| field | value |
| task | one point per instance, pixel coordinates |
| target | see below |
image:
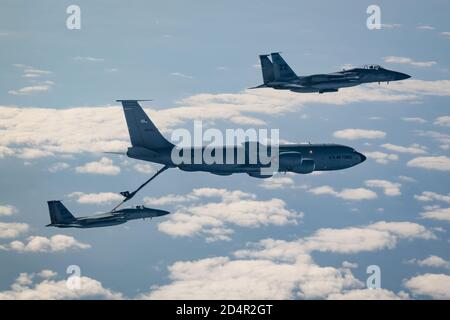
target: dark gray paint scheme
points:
(149, 145)
(278, 75)
(62, 218)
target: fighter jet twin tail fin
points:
(275, 70)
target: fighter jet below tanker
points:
(62, 218)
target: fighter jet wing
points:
(260, 86)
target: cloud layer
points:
(224, 209)
(278, 269)
(26, 287)
(102, 128)
(346, 194)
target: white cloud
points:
(431, 207)
(103, 166)
(169, 199)
(64, 130)
(349, 265)
(278, 182)
(425, 27)
(407, 179)
(414, 149)
(432, 196)
(181, 75)
(55, 243)
(47, 274)
(144, 168)
(445, 33)
(346, 194)
(31, 153)
(278, 269)
(353, 134)
(96, 198)
(438, 136)
(58, 166)
(31, 72)
(25, 288)
(404, 229)
(414, 119)
(88, 59)
(405, 60)
(443, 121)
(436, 286)
(437, 214)
(421, 87)
(12, 229)
(432, 261)
(440, 163)
(223, 278)
(381, 157)
(373, 237)
(389, 188)
(5, 151)
(100, 128)
(7, 210)
(35, 88)
(213, 219)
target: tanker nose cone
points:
(362, 157)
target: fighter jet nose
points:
(162, 213)
(402, 76)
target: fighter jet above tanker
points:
(62, 218)
(278, 75)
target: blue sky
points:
(295, 236)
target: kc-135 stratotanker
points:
(148, 144)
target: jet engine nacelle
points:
(307, 166)
(295, 162)
(289, 160)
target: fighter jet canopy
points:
(371, 66)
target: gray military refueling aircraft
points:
(148, 144)
(62, 218)
(278, 75)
